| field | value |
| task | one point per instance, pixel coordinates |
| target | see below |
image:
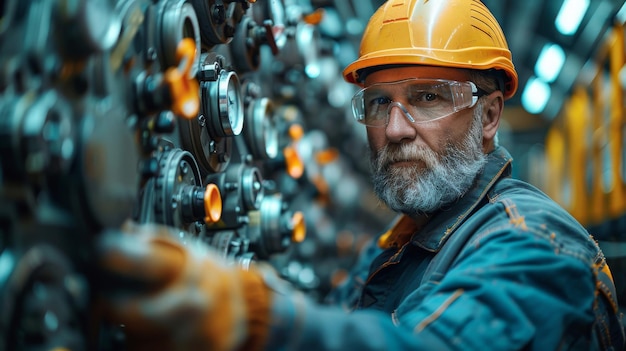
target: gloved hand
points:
(175, 296)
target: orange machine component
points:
(184, 89)
(298, 233)
(212, 204)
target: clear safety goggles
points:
(423, 100)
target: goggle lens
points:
(422, 100)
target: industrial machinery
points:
(213, 117)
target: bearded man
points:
(476, 260)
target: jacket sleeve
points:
(509, 290)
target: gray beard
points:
(439, 181)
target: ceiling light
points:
(621, 14)
(550, 62)
(536, 95)
(571, 15)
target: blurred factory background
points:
(100, 122)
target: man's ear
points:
(494, 105)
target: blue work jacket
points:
(503, 268)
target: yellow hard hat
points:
(447, 33)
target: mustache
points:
(392, 153)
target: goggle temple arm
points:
(476, 94)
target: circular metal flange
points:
(179, 21)
(261, 133)
(252, 188)
(178, 170)
(218, 19)
(224, 104)
(212, 154)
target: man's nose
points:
(401, 107)
(400, 123)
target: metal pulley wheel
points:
(229, 243)
(178, 171)
(241, 188)
(91, 26)
(261, 132)
(43, 302)
(252, 188)
(273, 228)
(246, 45)
(213, 154)
(218, 19)
(178, 21)
(41, 136)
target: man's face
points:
(422, 167)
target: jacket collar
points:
(443, 223)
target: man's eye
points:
(380, 101)
(427, 97)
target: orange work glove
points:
(175, 296)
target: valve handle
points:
(295, 131)
(184, 89)
(315, 17)
(293, 161)
(327, 156)
(298, 233)
(295, 165)
(269, 36)
(212, 204)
